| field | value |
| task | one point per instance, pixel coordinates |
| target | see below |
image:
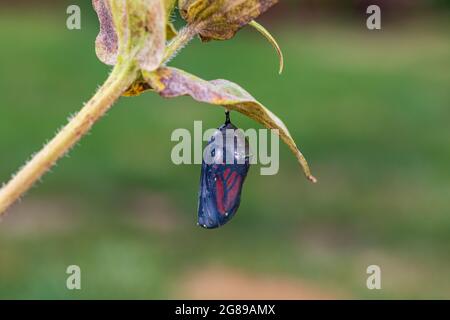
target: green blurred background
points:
(370, 110)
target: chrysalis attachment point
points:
(227, 117)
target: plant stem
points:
(183, 37)
(121, 77)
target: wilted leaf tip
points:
(272, 41)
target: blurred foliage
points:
(370, 110)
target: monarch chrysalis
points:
(222, 176)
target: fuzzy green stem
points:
(183, 37)
(121, 77)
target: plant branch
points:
(119, 80)
(183, 37)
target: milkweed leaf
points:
(221, 19)
(172, 82)
(131, 29)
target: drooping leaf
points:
(221, 19)
(172, 82)
(131, 29)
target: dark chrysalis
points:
(226, 161)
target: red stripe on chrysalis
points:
(220, 196)
(233, 193)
